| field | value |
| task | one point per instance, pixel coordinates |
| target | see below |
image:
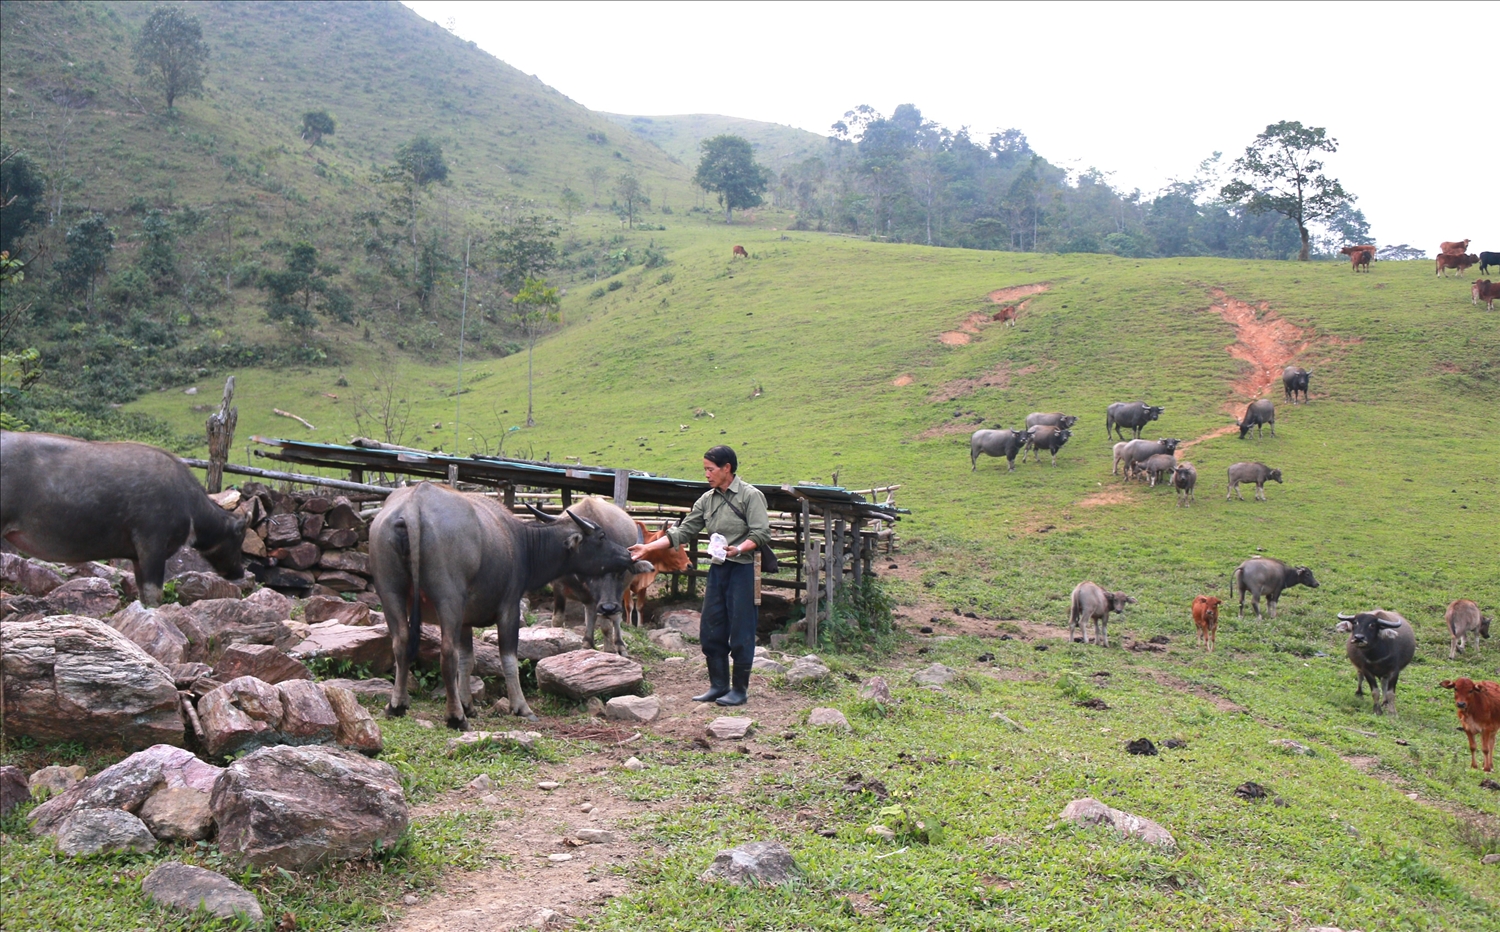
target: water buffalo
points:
(469, 561)
(1487, 259)
(1092, 602)
(1262, 576)
(1464, 620)
(1055, 419)
(1258, 473)
(1294, 380)
(1184, 479)
(71, 501)
(1156, 466)
(1138, 451)
(1132, 414)
(1381, 644)
(1259, 414)
(1006, 443)
(1046, 438)
(1119, 452)
(601, 595)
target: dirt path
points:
(978, 319)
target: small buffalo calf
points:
(1206, 618)
(1478, 706)
(1184, 479)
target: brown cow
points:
(1478, 714)
(739, 251)
(1359, 256)
(673, 560)
(1206, 617)
(1486, 291)
(1007, 315)
(1459, 263)
(1454, 249)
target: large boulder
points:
(369, 647)
(85, 595)
(296, 807)
(242, 713)
(262, 661)
(102, 831)
(1090, 811)
(193, 587)
(307, 717)
(321, 608)
(27, 577)
(185, 888)
(127, 785)
(580, 674)
(153, 631)
(73, 678)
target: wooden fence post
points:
(827, 564)
(220, 437)
(453, 474)
(622, 486)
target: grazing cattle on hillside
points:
(1258, 473)
(1132, 414)
(1157, 466)
(1459, 264)
(1258, 415)
(672, 560)
(1478, 714)
(1381, 644)
(1006, 443)
(1486, 291)
(1045, 437)
(1457, 248)
(1359, 256)
(739, 252)
(604, 594)
(1119, 453)
(1263, 576)
(468, 560)
(72, 501)
(1090, 602)
(1138, 451)
(1184, 480)
(1487, 259)
(1206, 619)
(1054, 419)
(1006, 315)
(1464, 621)
(1294, 380)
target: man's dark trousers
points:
(729, 616)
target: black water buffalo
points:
(600, 595)
(1184, 479)
(1487, 259)
(469, 561)
(71, 501)
(1046, 438)
(1132, 414)
(1294, 380)
(1055, 419)
(1006, 443)
(1262, 576)
(1381, 644)
(1258, 473)
(1259, 414)
(1138, 451)
(1091, 602)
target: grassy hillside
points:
(776, 145)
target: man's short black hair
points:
(721, 455)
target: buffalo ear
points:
(1345, 625)
(574, 539)
(642, 566)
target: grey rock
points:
(102, 831)
(538, 642)
(127, 785)
(828, 718)
(178, 814)
(935, 675)
(14, 789)
(583, 673)
(1490, 859)
(196, 587)
(683, 620)
(296, 807)
(729, 727)
(595, 836)
(1287, 744)
(88, 595)
(636, 709)
(594, 707)
(806, 671)
(184, 887)
(876, 689)
(54, 780)
(757, 864)
(767, 666)
(1090, 811)
(668, 639)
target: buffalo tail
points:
(414, 609)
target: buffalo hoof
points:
(395, 711)
(458, 724)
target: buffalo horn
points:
(1343, 617)
(1387, 623)
(541, 515)
(582, 522)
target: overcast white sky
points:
(1145, 91)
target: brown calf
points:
(674, 560)
(1458, 263)
(1478, 714)
(1486, 291)
(1206, 617)
(739, 251)
(1359, 256)
(1454, 249)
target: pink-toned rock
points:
(253, 545)
(340, 582)
(74, 678)
(303, 555)
(87, 595)
(307, 717)
(537, 642)
(22, 607)
(311, 525)
(242, 713)
(262, 661)
(13, 788)
(683, 620)
(283, 530)
(316, 505)
(28, 577)
(372, 688)
(356, 729)
(319, 609)
(213, 624)
(127, 785)
(195, 587)
(635, 709)
(334, 538)
(297, 807)
(343, 514)
(272, 601)
(360, 646)
(348, 561)
(580, 674)
(153, 631)
(371, 599)
(1090, 811)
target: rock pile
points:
(303, 543)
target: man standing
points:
(737, 510)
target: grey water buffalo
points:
(1381, 644)
(1138, 451)
(1055, 419)
(1184, 479)
(1157, 466)
(1091, 602)
(1258, 473)
(601, 595)
(1132, 414)
(71, 501)
(1006, 443)
(1119, 452)
(1294, 381)
(1464, 621)
(1262, 576)
(468, 560)
(1258, 415)
(1047, 438)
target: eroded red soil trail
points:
(971, 325)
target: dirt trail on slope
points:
(1002, 296)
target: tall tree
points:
(419, 163)
(170, 53)
(1279, 173)
(572, 202)
(90, 241)
(23, 198)
(728, 169)
(535, 306)
(292, 290)
(628, 190)
(524, 250)
(315, 125)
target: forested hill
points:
(777, 146)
